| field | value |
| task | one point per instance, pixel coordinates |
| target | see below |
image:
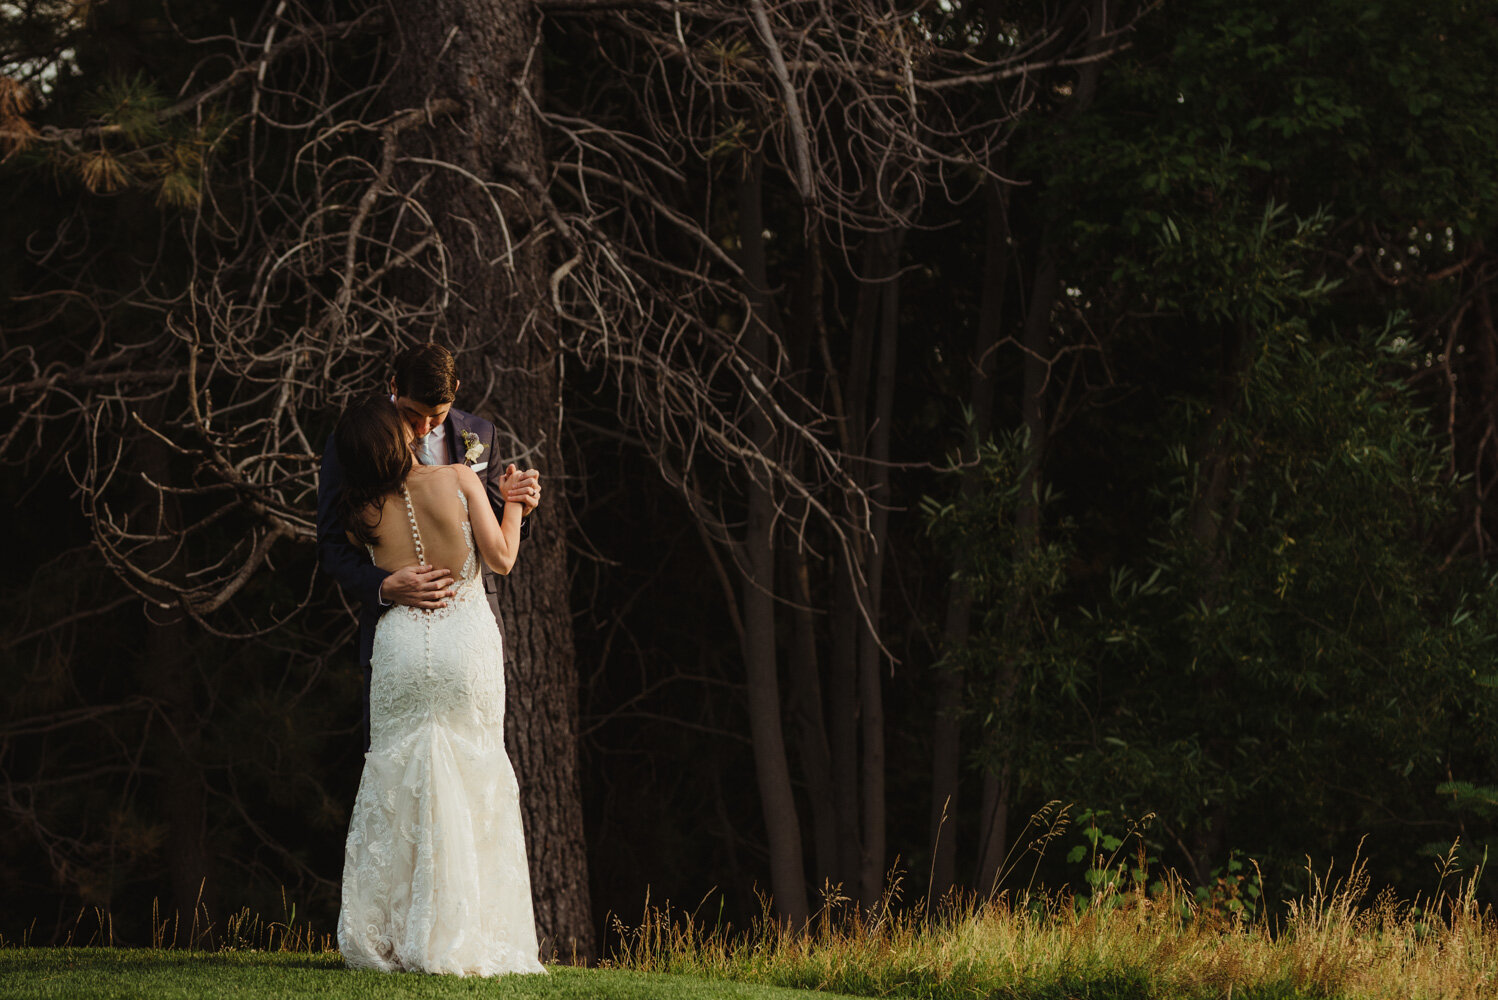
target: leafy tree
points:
(1266, 583)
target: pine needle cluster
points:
(133, 140)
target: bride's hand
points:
(521, 487)
(418, 587)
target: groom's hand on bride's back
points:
(418, 587)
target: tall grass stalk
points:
(242, 930)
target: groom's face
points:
(420, 417)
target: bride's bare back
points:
(440, 515)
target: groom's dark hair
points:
(426, 373)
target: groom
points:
(423, 384)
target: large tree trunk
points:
(541, 723)
(474, 52)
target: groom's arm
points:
(346, 563)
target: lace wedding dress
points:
(434, 875)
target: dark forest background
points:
(946, 409)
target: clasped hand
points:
(521, 487)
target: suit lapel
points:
(456, 425)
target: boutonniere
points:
(472, 447)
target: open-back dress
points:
(434, 875)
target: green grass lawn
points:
(108, 973)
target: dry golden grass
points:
(1333, 943)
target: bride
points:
(434, 875)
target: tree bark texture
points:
(477, 53)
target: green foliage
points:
(1314, 104)
(987, 516)
(1264, 643)
(1228, 269)
(1231, 892)
(1018, 644)
(141, 145)
(1481, 799)
(1118, 867)
(133, 140)
(1123, 869)
(1285, 607)
(1239, 669)
(130, 108)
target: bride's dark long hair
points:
(371, 443)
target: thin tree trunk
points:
(807, 715)
(814, 750)
(1211, 519)
(782, 826)
(842, 693)
(847, 620)
(946, 751)
(474, 52)
(169, 676)
(1037, 363)
(870, 679)
(1487, 353)
(994, 838)
(946, 746)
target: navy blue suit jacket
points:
(351, 566)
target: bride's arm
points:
(497, 539)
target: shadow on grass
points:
(128, 960)
(125, 974)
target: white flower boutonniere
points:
(472, 447)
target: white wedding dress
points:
(434, 875)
